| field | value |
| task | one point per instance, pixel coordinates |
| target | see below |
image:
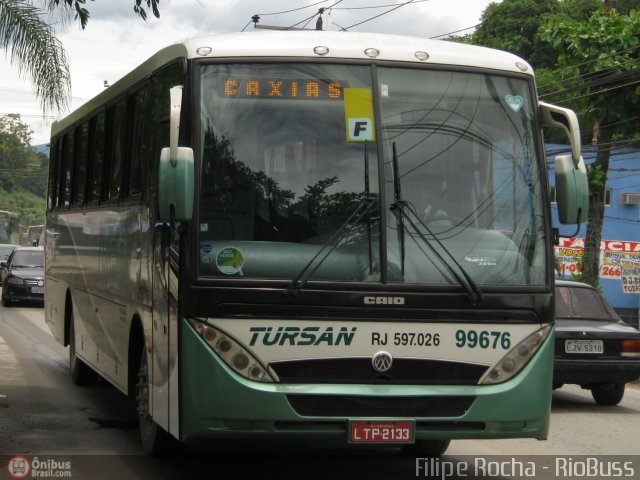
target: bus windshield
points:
(298, 179)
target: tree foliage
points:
(23, 172)
(27, 33)
(77, 8)
(513, 25)
(36, 51)
(599, 64)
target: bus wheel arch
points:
(136, 344)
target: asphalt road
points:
(44, 417)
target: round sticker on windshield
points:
(230, 261)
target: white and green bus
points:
(313, 235)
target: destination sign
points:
(278, 89)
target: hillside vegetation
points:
(23, 173)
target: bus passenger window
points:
(80, 170)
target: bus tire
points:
(607, 394)
(81, 373)
(426, 448)
(155, 440)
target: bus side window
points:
(80, 167)
(115, 138)
(54, 165)
(96, 158)
(66, 161)
(137, 144)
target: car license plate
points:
(382, 432)
(583, 346)
(37, 289)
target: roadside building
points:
(620, 246)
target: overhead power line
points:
(380, 15)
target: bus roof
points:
(301, 44)
(350, 45)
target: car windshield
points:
(28, 259)
(583, 304)
(291, 176)
(5, 251)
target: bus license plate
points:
(583, 346)
(382, 432)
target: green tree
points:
(23, 172)
(513, 25)
(600, 64)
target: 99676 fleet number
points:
(483, 339)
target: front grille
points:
(359, 370)
(379, 313)
(361, 406)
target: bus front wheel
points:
(155, 440)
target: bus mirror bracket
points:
(554, 116)
(176, 176)
(174, 120)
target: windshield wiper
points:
(367, 194)
(397, 206)
(403, 210)
(363, 208)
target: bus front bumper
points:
(217, 403)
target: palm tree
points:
(36, 50)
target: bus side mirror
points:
(176, 176)
(572, 186)
(572, 190)
(554, 116)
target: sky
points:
(116, 40)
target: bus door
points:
(164, 381)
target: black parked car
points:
(594, 348)
(5, 250)
(23, 275)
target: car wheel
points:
(155, 440)
(607, 394)
(81, 374)
(426, 448)
(5, 301)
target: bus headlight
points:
(516, 359)
(233, 354)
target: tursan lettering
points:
(306, 336)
